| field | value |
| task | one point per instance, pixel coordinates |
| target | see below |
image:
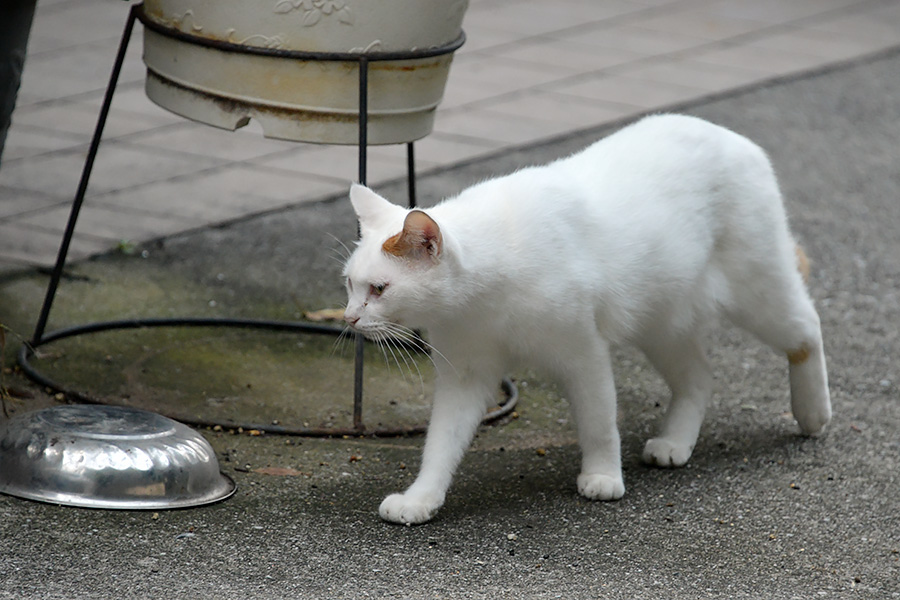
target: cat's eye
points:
(377, 289)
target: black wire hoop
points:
(358, 429)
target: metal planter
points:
(294, 65)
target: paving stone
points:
(14, 202)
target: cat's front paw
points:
(407, 509)
(813, 421)
(660, 452)
(600, 487)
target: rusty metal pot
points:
(293, 65)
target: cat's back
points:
(667, 170)
(658, 146)
(663, 176)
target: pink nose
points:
(350, 319)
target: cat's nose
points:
(350, 319)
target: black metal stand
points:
(40, 338)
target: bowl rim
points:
(225, 489)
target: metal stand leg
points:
(363, 144)
(411, 174)
(411, 182)
(82, 185)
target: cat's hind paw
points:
(600, 487)
(407, 510)
(660, 452)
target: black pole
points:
(83, 184)
(363, 142)
(363, 116)
(411, 173)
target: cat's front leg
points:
(458, 409)
(592, 393)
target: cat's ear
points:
(373, 211)
(420, 239)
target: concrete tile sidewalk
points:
(529, 71)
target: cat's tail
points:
(802, 263)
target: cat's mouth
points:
(367, 329)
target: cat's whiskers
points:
(337, 256)
(340, 342)
(387, 343)
(397, 344)
(408, 364)
(381, 341)
(408, 360)
(341, 253)
(409, 336)
(346, 249)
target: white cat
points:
(644, 237)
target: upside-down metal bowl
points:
(108, 457)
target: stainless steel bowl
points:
(108, 457)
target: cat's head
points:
(397, 272)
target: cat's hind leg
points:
(810, 399)
(780, 312)
(683, 364)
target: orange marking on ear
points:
(397, 245)
(802, 263)
(798, 357)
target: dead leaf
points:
(18, 393)
(278, 471)
(326, 314)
